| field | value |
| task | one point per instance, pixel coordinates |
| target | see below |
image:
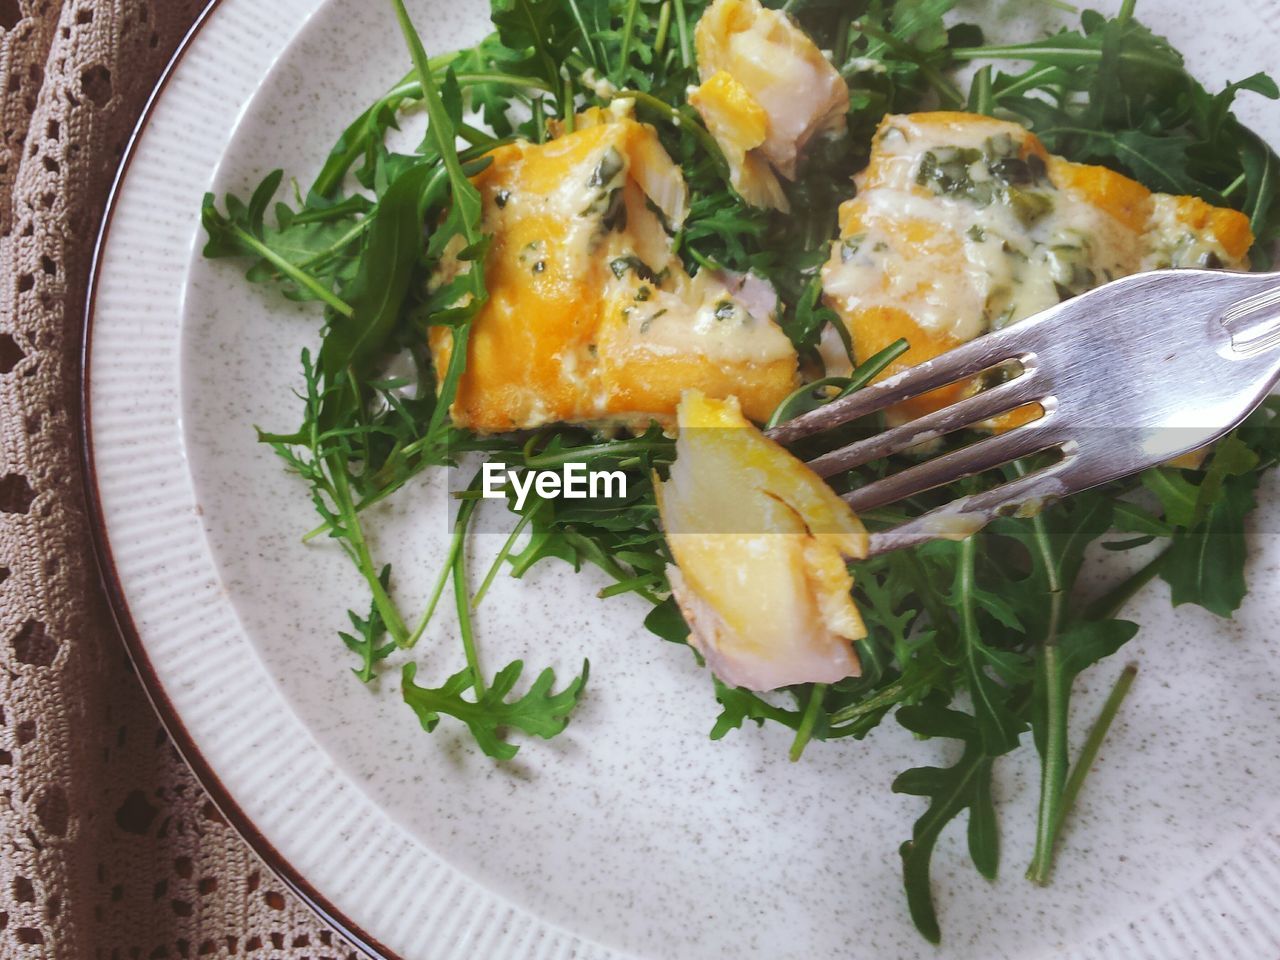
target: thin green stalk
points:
(983, 95)
(475, 137)
(598, 57)
(863, 375)
(1029, 81)
(1035, 53)
(703, 261)
(607, 564)
(341, 243)
(456, 540)
(298, 276)
(804, 733)
(682, 30)
(402, 455)
(448, 150)
(539, 121)
(664, 25)
(360, 547)
(969, 633)
(505, 552)
(842, 38)
(887, 696)
(566, 106)
(412, 89)
(635, 584)
(875, 365)
(1053, 763)
(628, 30)
(360, 507)
(463, 601)
(437, 591)
(784, 410)
(506, 79)
(1053, 760)
(544, 461)
(1236, 184)
(1084, 763)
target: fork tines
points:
(961, 363)
(1029, 384)
(1023, 389)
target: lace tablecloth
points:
(109, 846)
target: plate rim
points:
(109, 578)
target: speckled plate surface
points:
(633, 835)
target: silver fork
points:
(1129, 376)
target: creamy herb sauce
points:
(704, 317)
(1174, 244)
(1012, 243)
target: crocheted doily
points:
(108, 846)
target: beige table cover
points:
(108, 846)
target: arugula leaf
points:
(322, 456)
(739, 704)
(622, 538)
(540, 712)
(1084, 763)
(1205, 563)
(966, 785)
(920, 23)
(997, 725)
(1058, 665)
(392, 251)
(321, 242)
(547, 30)
(1262, 176)
(593, 19)
(810, 316)
(1177, 495)
(666, 621)
(1156, 159)
(370, 630)
(241, 232)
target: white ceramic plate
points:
(633, 834)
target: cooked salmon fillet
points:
(760, 575)
(766, 92)
(964, 224)
(591, 318)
